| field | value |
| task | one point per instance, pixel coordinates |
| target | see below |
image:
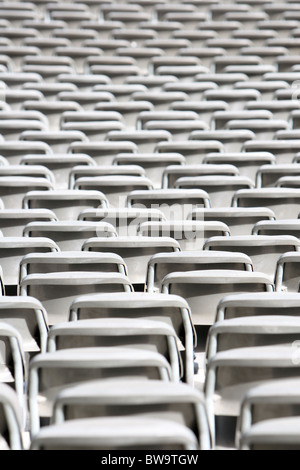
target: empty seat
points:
(220, 119)
(65, 367)
(283, 151)
(263, 129)
(13, 151)
(174, 203)
(149, 335)
(130, 110)
(270, 175)
(115, 187)
(103, 153)
(162, 264)
(243, 368)
(135, 250)
(204, 289)
(12, 251)
(271, 401)
(233, 140)
(263, 250)
(194, 151)
(155, 396)
(190, 234)
(52, 110)
(58, 141)
(239, 220)
(60, 165)
(60, 288)
(129, 433)
(174, 172)
(13, 221)
(242, 305)
(287, 273)
(126, 221)
(220, 188)
(282, 201)
(66, 204)
(154, 164)
(170, 309)
(69, 234)
(11, 420)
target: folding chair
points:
(76, 365)
(191, 235)
(66, 204)
(239, 220)
(115, 332)
(162, 264)
(282, 201)
(220, 188)
(60, 165)
(115, 187)
(103, 153)
(172, 173)
(126, 221)
(126, 433)
(13, 221)
(154, 164)
(263, 250)
(135, 251)
(69, 235)
(170, 309)
(11, 420)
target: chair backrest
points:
(171, 309)
(263, 250)
(57, 290)
(66, 204)
(178, 402)
(69, 235)
(11, 419)
(62, 368)
(239, 220)
(145, 334)
(264, 303)
(162, 264)
(204, 289)
(126, 433)
(136, 251)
